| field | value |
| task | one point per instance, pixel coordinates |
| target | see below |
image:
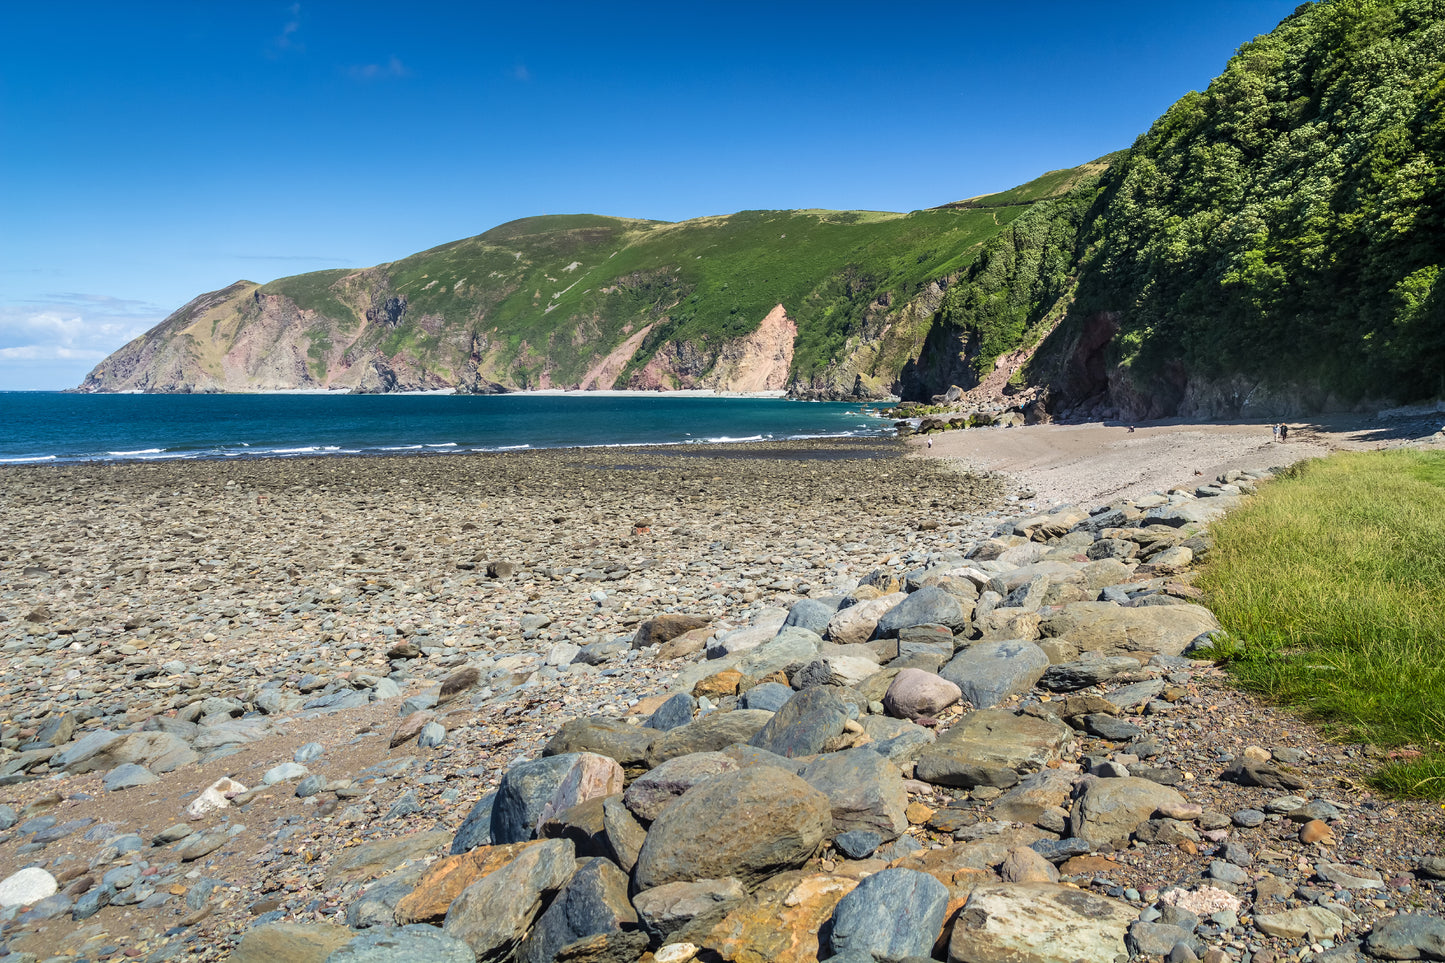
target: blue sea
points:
(42, 426)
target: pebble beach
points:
(352, 654)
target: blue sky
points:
(155, 151)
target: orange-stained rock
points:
(724, 683)
(956, 867)
(918, 814)
(448, 876)
(779, 924)
(1316, 831)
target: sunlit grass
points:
(1331, 584)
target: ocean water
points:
(39, 427)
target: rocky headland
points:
(764, 702)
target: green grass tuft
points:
(1328, 583)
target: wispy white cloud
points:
(289, 39)
(71, 327)
(393, 69)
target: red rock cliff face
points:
(756, 362)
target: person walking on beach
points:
(1283, 433)
(1274, 432)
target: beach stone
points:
(432, 735)
(1109, 727)
(1109, 809)
(1025, 865)
(857, 623)
(927, 606)
(525, 789)
(750, 824)
(892, 914)
(583, 825)
(458, 684)
(1200, 511)
(1407, 936)
(915, 693)
(290, 943)
(779, 923)
(864, 789)
(128, 776)
(991, 747)
(623, 834)
(1314, 922)
(285, 772)
(665, 909)
(606, 736)
(857, 843)
(1106, 626)
(27, 887)
(1155, 939)
(593, 901)
(620, 946)
(1004, 623)
(1037, 793)
(769, 697)
(375, 903)
(804, 725)
(1350, 877)
(1083, 673)
(710, 733)
(494, 914)
(591, 776)
(989, 672)
(384, 855)
(664, 628)
(675, 712)
(813, 614)
(403, 944)
(1039, 923)
(445, 879)
(656, 789)
(1249, 772)
(79, 752)
(476, 828)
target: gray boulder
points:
(673, 714)
(594, 901)
(667, 908)
(1039, 923)
(927, 606)
(656, 789)
(813, 614)
(804, 725)
(989, 672)
(751, 824)
(892, 914)
(524, 791)
(1110, 809)
(605, 736)
(712, 732)
(991, 747)
(403, 944)
(864, 789)
(476, 829)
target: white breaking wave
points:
(138, 451)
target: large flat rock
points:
(991, 747)
(1039, 923)
(1112, 628)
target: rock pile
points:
(997, 747)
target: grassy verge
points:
(1329, 583)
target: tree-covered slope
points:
(1273, 243)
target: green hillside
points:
(534, 283)
(1284, 226)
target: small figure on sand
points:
(930, 442)
(1274, 432)
(1283, 433)
(1131, 429)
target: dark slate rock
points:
(930, 605)
(857, 843)
(865, 790)
(1110, 727)
(656, 789)
(522, 793)
(404, 944)
(675, 712)
(593, 901)
(1248, 818)
(494, 914)
(813, 614)
(376, 905)
(1072, 676)
(665, 909)
(891, 914)
(476, 829)
(1407, 936)
(711, 733)
(1058, 850)
(1154, 939)
(990, 672)
(624, 835)
(804, 725)
(770, 697)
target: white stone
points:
(27, 887)
(217, 795)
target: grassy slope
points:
(559, 292)
(1331, 578)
